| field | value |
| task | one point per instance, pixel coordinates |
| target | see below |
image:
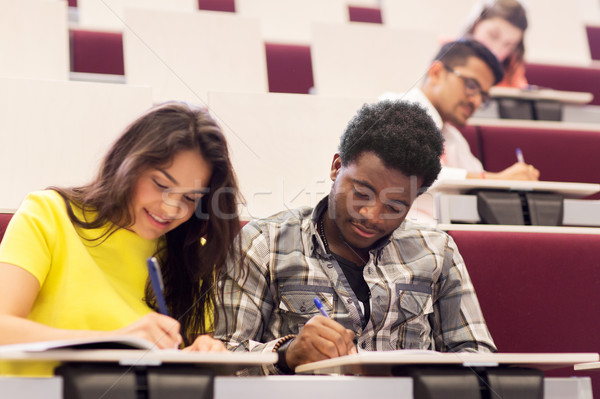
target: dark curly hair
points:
(398, 132)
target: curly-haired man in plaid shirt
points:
(385, 283)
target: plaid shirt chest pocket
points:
(297, 306)
(412, 330)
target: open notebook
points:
(112, 342)
(128, 351)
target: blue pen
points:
(157, 284)
(319, 306)
(520, 155)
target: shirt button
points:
(363, 345)
(329, 265)
(302, 309)
(349, 300)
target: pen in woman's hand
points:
(157, 285)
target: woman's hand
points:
(206, 343)
(161, 330)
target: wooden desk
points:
(381, 363)
(539, 94)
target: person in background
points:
(500, 25)
(457, 83)
(384, 284)
(73, 260)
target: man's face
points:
(449, 91)
(369, 200)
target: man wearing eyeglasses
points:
(458, 83)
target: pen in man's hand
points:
(157, 284)
(319, 306)
(519, 154)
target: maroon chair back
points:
(569, 78)
(96, 52)
(471, 134)
(538, 291)
(217, 5)
(289, 68)
(560, 155)
(593, 36)
(365, 14)
(4, 219)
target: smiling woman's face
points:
(499, 35)
(164, 198)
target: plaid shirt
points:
(421, 293)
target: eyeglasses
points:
(472, 87)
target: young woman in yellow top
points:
(73, 260)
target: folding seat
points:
(96, 52)
(562, 155)
(365, 14)
(4, 219)
(289, 67)
(566, 77)
(217, 5)
(538, 291)
(593, 35)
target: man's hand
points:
(321, 338)
(517, 171)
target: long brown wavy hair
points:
(514, 13)
(188, 266)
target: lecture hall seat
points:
(564, 77)
(217, 5)
(593, 36)
(96, 52)
(365, 14)
(289, 68)
(471, 134)
(4, 219)
(538, 291)
(559, 154)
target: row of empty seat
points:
(290, 67)
(537, 291)
(562, 153)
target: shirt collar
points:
(417, 95)
(316, 238)
(314, 225)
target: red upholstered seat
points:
(4, 219)
(569, 78)
(365, 14)
(560, 155)
(289, 68)
(471, 134)
(593, 35)
(538, 291)
(97, 52)
(217, 5)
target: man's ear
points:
(436, 72)
(336, 166)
